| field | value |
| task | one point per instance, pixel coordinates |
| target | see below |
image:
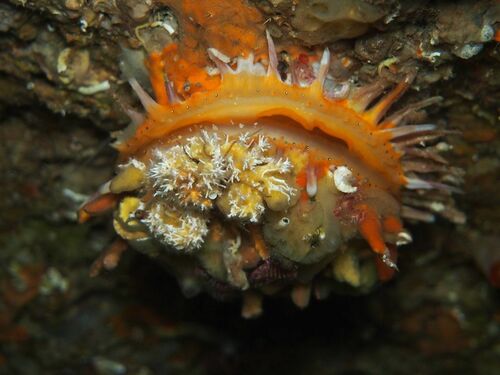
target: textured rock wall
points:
(61, 92)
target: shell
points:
(262, 182)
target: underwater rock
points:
(320, 21)
(438, 314)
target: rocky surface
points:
(62, 91)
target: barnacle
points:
(265, 181)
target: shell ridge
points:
(237, 88)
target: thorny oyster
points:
(267, 179)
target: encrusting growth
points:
(265, 182)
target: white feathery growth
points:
(280, 166)
(267, 182)
(171, 170)
(262, 144)
(275, 184)
(197, 173)
(233, 171)
(250, 212)
(256, 152)
(244, 138)
(180, 229)
(176, 171)
(283, 166)
(211, 139)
